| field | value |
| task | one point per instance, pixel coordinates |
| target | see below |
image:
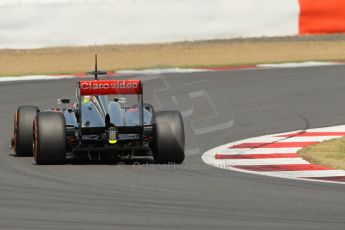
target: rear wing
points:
(110, 87)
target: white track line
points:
(257, 151)
(35, 78)
(267, 161)
(298, 64)
(311, 173)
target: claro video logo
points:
(108, 85)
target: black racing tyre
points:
(23, 130)
(169, 139)
(49, 138)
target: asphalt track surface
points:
(193, 195)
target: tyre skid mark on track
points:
(276, 155)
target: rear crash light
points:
(112, 135)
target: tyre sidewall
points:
(23, 130)
(169, 137)
(49, 138)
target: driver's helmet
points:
(87, 99)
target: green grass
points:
(328, 153)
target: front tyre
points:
(169, 139)
(23, 130)
(49, 138)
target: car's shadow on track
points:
(85, 161)
(133, 161)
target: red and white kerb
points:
(276, 155)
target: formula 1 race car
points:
(99, 126)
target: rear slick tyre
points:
(49, 138)
(23, 130)
(169, 139)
